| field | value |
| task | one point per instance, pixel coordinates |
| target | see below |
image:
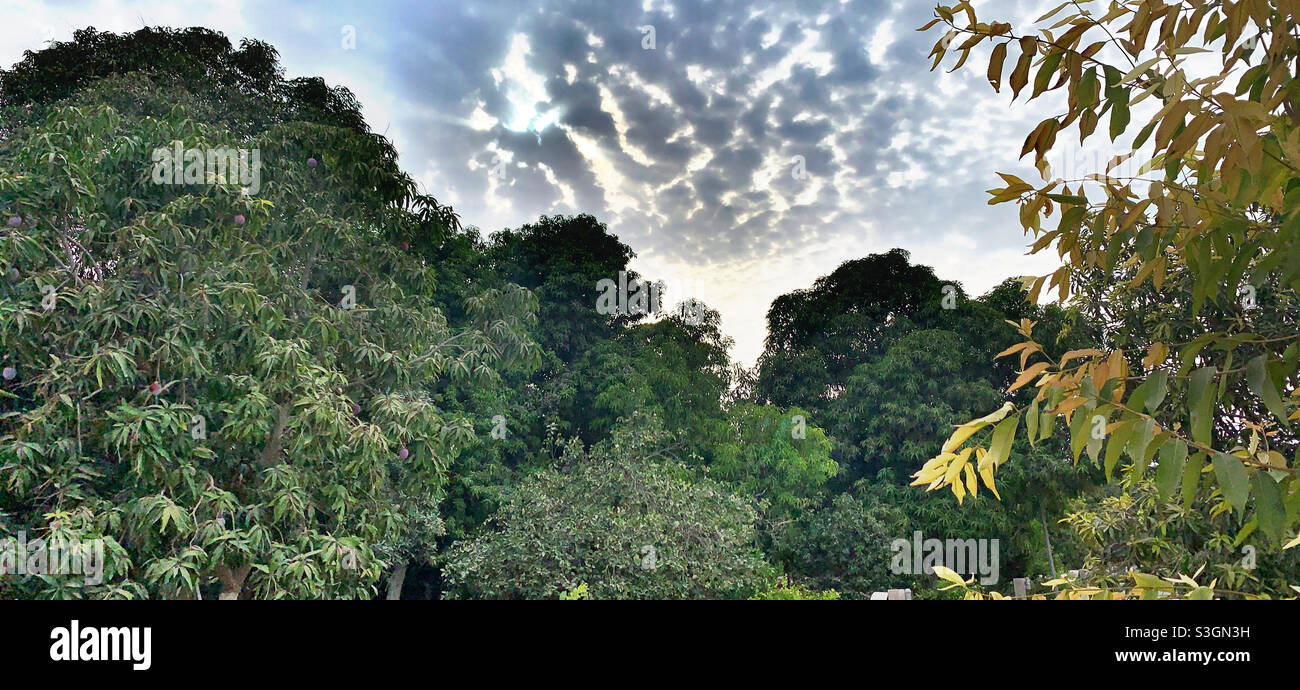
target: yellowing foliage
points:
(1215, 198)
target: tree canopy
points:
(242, 351)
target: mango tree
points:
(228, 385)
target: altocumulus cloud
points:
(681, 124)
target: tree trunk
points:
(395, 582)
(1042, 513)
(271, 453)
(232, 581)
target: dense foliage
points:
(618, 521)
(317, 383)
(1191, 264)
(188, 382)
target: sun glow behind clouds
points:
(525, 89)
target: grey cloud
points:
(440, 62)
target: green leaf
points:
(1172, 456)
(1143, 432)
(1151, 393)
(1119, 115)
(1003, 434)
(1144, 134)
(1260, 383)
(1233, 480)
(1095, 443)
(1115, 445)
(1080, 428)
(1159, 380)
(1188, 354)
(1046, 424)
(1088, 87)
(1201, 403)
(1045, 73)
(1112, 81)
(1268, 507)
(1192, 478)
(1087, 124)
(1031, 422)
(1072, 218)
(1245, 532)
(1146, 581)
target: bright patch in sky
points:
(610, 180)
(881, 40)
(525, 89)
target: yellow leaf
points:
(972, 485)
(1156, 355)
(959, 436)
(936, 461)
(1075, 354)
(1293, 543)
(968, 429)
(954, 468)
(997, 416)
(986, 473)
(929, 476)
(949, 575)
(1029, 375)
(1146, 581)
(1068, 405)
(1012, 350)
(1139, 69)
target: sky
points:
(741, 148)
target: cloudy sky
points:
(741, 148)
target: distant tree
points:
(789, 591)
(928, 367)
(891, 409)
(1131, 528)
(776, 457)
(625, 520)
(844, 546)
(561, 259)
(815, 337)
